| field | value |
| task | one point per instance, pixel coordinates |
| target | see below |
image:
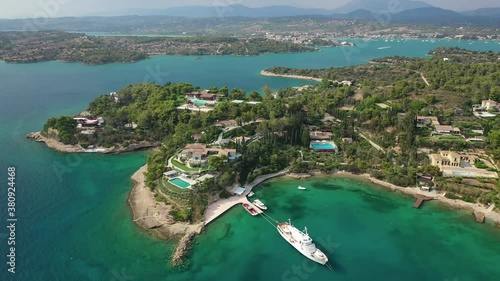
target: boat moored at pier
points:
(259, 204)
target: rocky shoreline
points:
(67, 148)
(154, 217)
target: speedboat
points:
(251, 194)
(259, 204)
(301, 188)
(250, 209)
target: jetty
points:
(420, 200)
(219, 207)
(480, 216)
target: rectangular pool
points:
(323, 146)
(465, 174)
(180, 183)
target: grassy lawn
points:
(183, 167)
(180, 196)
(449, 137)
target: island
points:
(40, 46)
(427, 127)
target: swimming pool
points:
(180, 183)
(198, 102)
(465, 174)
(323, 146)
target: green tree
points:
(255, 96)
(305, 137)
(268, 93)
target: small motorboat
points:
(250, 194)
(301, 188)
(250, 209)
(259, 204)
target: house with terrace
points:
(487, 109)
(427, 120)
(454, 164)
(450, 159)
(203, 95)
(320, 135)
(489, 105)
(446, 130)
(226, 123)
(197, 155)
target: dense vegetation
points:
(457, 80)
(279, 126)
(62, 128)
(27, 47)
(258, 46)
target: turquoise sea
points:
(74, 223)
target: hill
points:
(484, 12)
(379, 5)
(430, 15)
(222, 11)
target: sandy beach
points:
(266, 73)
(152, 215)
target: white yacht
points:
(302, 242)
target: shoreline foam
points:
(270, 74)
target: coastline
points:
(270, 74)
(490, 215)
(154, 216)
(67, 148)
(217, 208)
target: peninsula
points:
(439, 139)
(29, 47)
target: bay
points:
(74, 224)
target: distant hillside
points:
(484, 12)
(430, 15)
(379, 5)
(223, 11)
(424, 16)
(359, 14)
(438, 16)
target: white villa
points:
(489, 104)
(197, 154)
(487, 109)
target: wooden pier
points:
(420, 200)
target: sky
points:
(60, 8)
